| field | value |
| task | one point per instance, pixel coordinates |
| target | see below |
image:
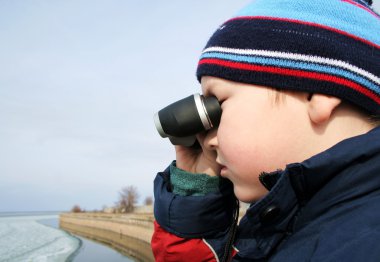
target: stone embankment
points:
(128, 233)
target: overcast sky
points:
(79, 84)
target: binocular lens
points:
(183, 119)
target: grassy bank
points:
(128, 233)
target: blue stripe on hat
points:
(290, 37)
(285, 82)
(287, 63)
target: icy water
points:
(22, 238)
(35, 237)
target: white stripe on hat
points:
(294, 56)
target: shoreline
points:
(129, 234)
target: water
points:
(36, 237)
(91, 251)
(23, 238)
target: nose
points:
(211, 139)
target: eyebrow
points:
(209, 89)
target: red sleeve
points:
(168, 247)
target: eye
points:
(218, 95)
(220, 100)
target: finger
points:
(201, 139)
(182, 149)
(208, 152)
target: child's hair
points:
(278, 97)
(375, 119)
(327, 46)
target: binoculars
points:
(182, 120)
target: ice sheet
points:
(22, 238)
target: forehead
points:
(214, 85)
(207, 84)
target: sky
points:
(80, 82)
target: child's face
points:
(255, 134)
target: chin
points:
(249, 195)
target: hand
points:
(202, 160)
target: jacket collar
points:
(311, 175)
(315, 184)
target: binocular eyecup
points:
(182, 120)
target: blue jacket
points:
(326, 208)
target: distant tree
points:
(128, 197)
(76, 209)
(148, 201)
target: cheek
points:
(235, 137)
(249, 148)
(237, 148)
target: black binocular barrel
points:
(188, 116)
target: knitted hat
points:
(317, 46)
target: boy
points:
(297, 81)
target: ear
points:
(321, 107)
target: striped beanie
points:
(318, 46)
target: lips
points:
(223, 168)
